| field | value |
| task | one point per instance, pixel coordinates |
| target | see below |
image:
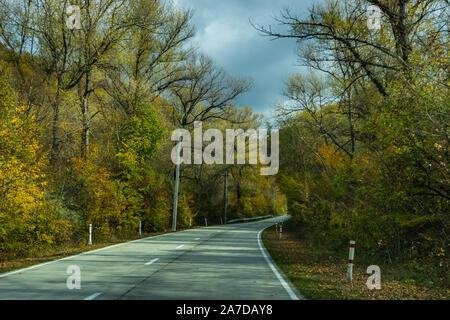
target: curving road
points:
(215, 263)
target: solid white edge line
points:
(2, 275)
(93, 296)
(150, 262)
(32, 267)
(275, 271)
(85, 253)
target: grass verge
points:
(319, 276)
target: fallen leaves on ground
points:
(323, 277)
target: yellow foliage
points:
(27, 220)
(330, 156)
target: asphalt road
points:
(221, 262)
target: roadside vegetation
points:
(86, 117)
(320, 274)
(364, 139)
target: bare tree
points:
(205, 93)
(340, 26)
(313, 95)
(149, 59)
(104, 25)
(38, 29)
(15, 24)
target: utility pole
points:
(177, 181)
(225, 196)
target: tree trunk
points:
(54, 153)
(350, 123)
(85, 119)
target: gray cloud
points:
(225, 34)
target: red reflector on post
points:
(351, 256)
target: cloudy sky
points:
(223, 32)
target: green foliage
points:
(364, 153)
(92, 143)
(139, 142)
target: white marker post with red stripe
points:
(351, 256)
(281, 231)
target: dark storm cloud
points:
(223, 32)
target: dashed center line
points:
(93, 296)
(197, 239)
(180, 246)
(150, 262)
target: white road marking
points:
(277, 274)
(197, 239)
(180, 246)
(85, 253)
(30, 268)
(93, 296)
(150, 262)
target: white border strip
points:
(151, 262)
(87, 252)
(261, 247)
(93, 296)
(277, 274)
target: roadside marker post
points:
(206, 222)
(140, 228)
(351, 256)
(190, 222)
(90, 235)
(281, 231)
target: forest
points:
(86, 117)
(364, 140)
